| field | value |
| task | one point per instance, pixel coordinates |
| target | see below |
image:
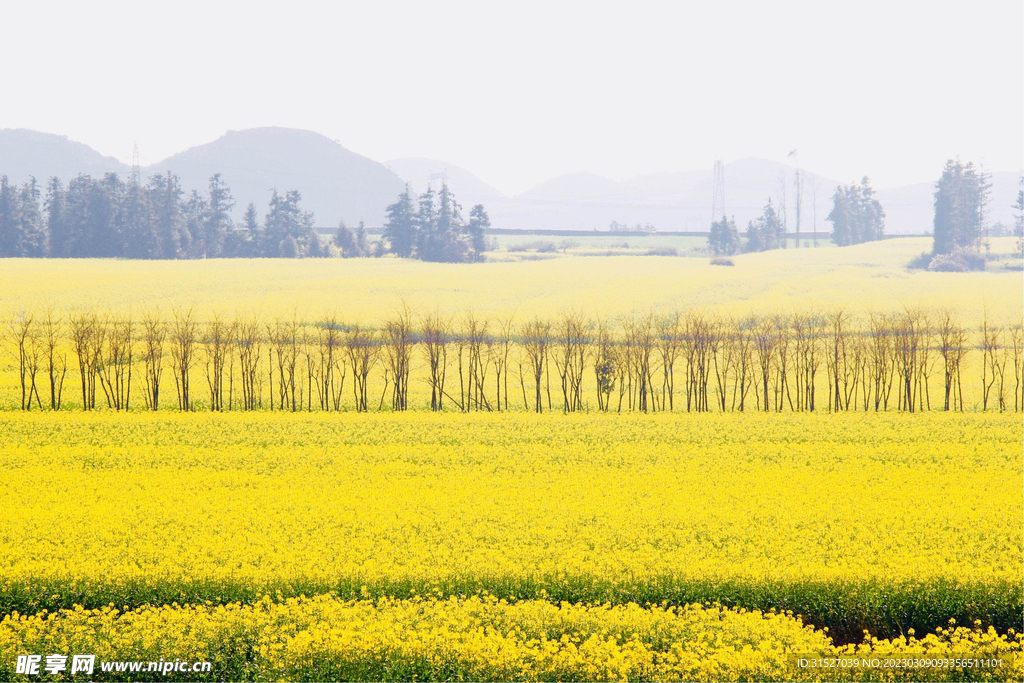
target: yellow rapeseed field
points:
(330, 544)
(880, 522)
(862, 278)
(488, 639)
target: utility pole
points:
(718, 192)
(798, 182)
(814, 206)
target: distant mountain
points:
(669, 201)
(25, 153)
(334, 182)
(468, 189)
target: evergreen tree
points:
(286, 219)
(10, 239)
(444, 241)
(56, 218)
(476, 229)
(765, 232)
(288, 248)
(217, 221)
(345, 240)
(137, 224)
(961, 195)
(103, 226)
(400, 226)
(840, 217)
(194, 216)
(362, 241)
(724, 238)
(425, 219)
(253, 236)
(165, 198)
(77, 216)
(30, 221)
(856, 215)
(314, 247)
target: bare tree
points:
(436, 338)
(154, 335)
(183, 346)
(216, 345)
(248, 343)
(1017, 346)
(28, 348)
(536, 336)
(398, 344)
(56, 358)
(572, 346)
(115, 370)
(363, 352)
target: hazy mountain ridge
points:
(337, 183)
(27, 153)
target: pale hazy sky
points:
(519, 92)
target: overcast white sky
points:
(519, 92)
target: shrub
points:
(663, 251)
(719, 261)
(921, 261)
(539, 246)
(959, 261)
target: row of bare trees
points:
(909, 361)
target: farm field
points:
(878, 522)
(860, 279)
(655, 543)
(325, 638)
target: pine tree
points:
(362, 241)
(103, 228)
(314, 247)
(138, 226)
(165, 197)
(56, 219)
(444, 241)
(426, 219)
(476, 229)
(217, 221)
(961, 196)
(254, 238)
(765, 232)
(345, 241)
(840, 218)
(10, 239)
(30, 221)
(400, 226)
(856, 215)
(285, 219)
(77, 217)
(724, 238)
(194, 216)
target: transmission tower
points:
(136, 171)
(442, 176)
(798, 184)
(718, 193)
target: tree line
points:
(913, 360)
(432, 228)
(110, 218)
(856, 217)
